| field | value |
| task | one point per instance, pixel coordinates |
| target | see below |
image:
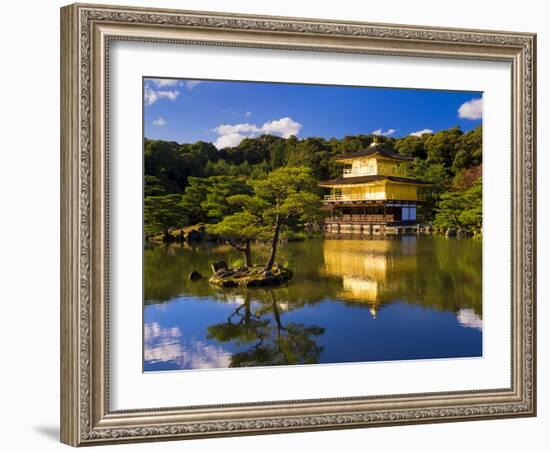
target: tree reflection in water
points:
(261, 326)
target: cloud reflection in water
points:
(165, 345)
(469, 319)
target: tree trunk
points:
(247, 255)
(277, 316)
(247, 311)
(274, 242)
(245, 249)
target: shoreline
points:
(197, 233)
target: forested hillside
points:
(186, 184)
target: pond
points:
(351, 300)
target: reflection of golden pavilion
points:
(361, 289)
(367, 266)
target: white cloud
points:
(472, 109)
(229, 140)
(152, 95)
(247, 114)
(160, 122)
(238, 128)
(286, 127)
(190, 84)
(232, 135)
(421, 132)
(171, 82)
(381, 132)
(164, 82)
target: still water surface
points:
(350, 300)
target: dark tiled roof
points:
(368, 179)
(372, 150)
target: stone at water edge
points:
(194, 236)
(194, 275)
(218, 265)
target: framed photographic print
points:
(278, 224)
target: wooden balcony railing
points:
(367, 196)
(355, 197)
(356, 218)
(358, 172)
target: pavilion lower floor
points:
(372, 213)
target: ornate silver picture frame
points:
(87, 32)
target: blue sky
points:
(225, 112)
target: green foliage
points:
(206, 199)
(212, 182)
(278, 155)
(172, 163)
(291, 202)
(153, 186)
(289, 198)
(461, 209)
(219, 189)
(441, 147)
(471, 146)
(412, 146)
(438, 177)
(161, 213)
(191, 200)
(350, 144)
(284, 201)
(313, 153)
(238, 228)
(451, 164)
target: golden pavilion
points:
(373, 195)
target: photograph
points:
(303, 224)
